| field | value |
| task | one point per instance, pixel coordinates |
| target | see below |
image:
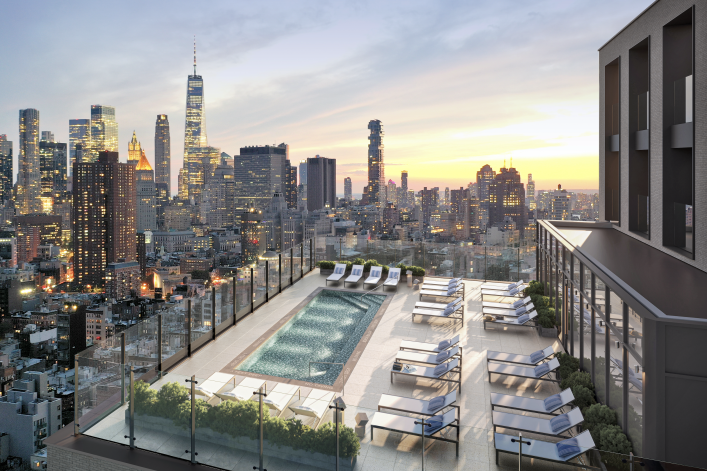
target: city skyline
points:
(491, 119)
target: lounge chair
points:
(522, 321)
(428, 358)
(418, 406)
(374, 276)
(213, 384)
(443, 281)
(443, 287)
(393, 278)
(339, 271)
(355, 276)
(553, 427)
(635, 383)
(540, 372)
(560, 452)
(456, 313)
(315, 405)
(243, 391)
(494, 311)
(407, 425)
(431, 347)
(435, 373)
(280, 396)
(540, 406)
(513, 305)
(529, 360)
(500, 285)
(587, 316)
(513, 292)
(442, 306)
(446, 293)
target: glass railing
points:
(683, 233)
(513, 261)
(682, 105)
(643, 111)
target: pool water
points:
(327, 329)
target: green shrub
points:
(568, 360)
(370, 263)
(358, 261)
(386, 269)
(597, 416)
(417, 271)
(349, 265)
(610, 438)
(145, 397)
(578, 378)
(565, 371)
(540, 301)
(535, 287)
(168, 399)
(326, 265)
(402, 267)
(583, 397)
(546, 317)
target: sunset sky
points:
(457, 84)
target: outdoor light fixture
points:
(618, 344)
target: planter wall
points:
(246, 444)
(545, 332)
(326, 272)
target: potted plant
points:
(546, 322)
(326, 268)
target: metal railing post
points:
(292, 266)
(311, 256)
(193, 452)
(267, 281)
(486, 263)
(122, 368)
(188, 327)
(279, 273)
(213, 313)
(520, 449)
(235, 303)
(301, 261)
(424, 424)
(77, 391)
(252, 293)
(159, 345)
(261, 392)
(337, 419)
(132, 407)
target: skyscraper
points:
(290, 193)
(392, 192)
(348, 193)
(321, 183)
(507, 199)
(404, 189)
(195, 131)
(484, 177)
(163, 154)
(5, 169)
(79, 133)
(530, 197)
(302, 189)
(146, 194)
(376, 168)
(259, 172)
(104, 215)
(220, 194)
(29, 188)
(134, 150)
(52, 164)
(47, 136)
(104, 131)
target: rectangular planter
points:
(545, 332)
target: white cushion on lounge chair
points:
(529, 404)
(415, 406)
(281, 395)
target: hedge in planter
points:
(416, 271)
(240, 419)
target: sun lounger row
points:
(554, 427)
(356, 275)
(412, 425)
(540, 372)
(539, 406)
(503, 312)
(521, 321)
(532, 359)
(509, 305)
(452, 289)
(560, 452)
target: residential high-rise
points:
(104, 217)
(375, 191)
(104, 132)
(146, 195)
(52, 163)
(302, 188)
(321, 183)
(290, 193)
(163, 154)
(29, 190)
(348, 191)
(253, 237)
(219, 205)
(259, 172)
(79, 133)
(47, 136)
(404, 189)
(507, 199)
(33, 231)
(195, 132)
(430, 202)
(134, 150)
(392, 192)
(560, 205)
(484, 177)
(5, 169)
(530, 197)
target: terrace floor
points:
(370, 379)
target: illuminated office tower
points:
(104, 228)
(392, 192)
(29, 189)
(134, 150)
(507, 199)
(404, 189)
(375, 191)
(47, 136)
(290, 192)
(259, 172)
(484, 178)
(5, 169)
(530, 197)
(348, 190)
(79, 133)
(321, 183)
(302, 188)
(162, 153)
(104, 131)
(146, 195)
(52, 165)
(195, 132)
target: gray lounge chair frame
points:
(443, 294)
(336, 277)
(440, 281)
(505, 369)
(393, 278)
(373, 280)
(429, 347)
(353, 278)
(402, 424)
(509, 306)
(514, 321)
(528, 404)
(494, 311)
(439, 314)
(428, 372)
(426, 358)
(518, 359)
(535, 425)
(442, 306)
(500, 285)
(504, 293)
(416, 406)
(542, 450)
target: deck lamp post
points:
(340, 406)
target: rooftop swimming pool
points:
(327, 329)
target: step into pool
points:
(327, 329)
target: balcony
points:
(642, 136)
(682, 130)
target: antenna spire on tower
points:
(195, 54)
